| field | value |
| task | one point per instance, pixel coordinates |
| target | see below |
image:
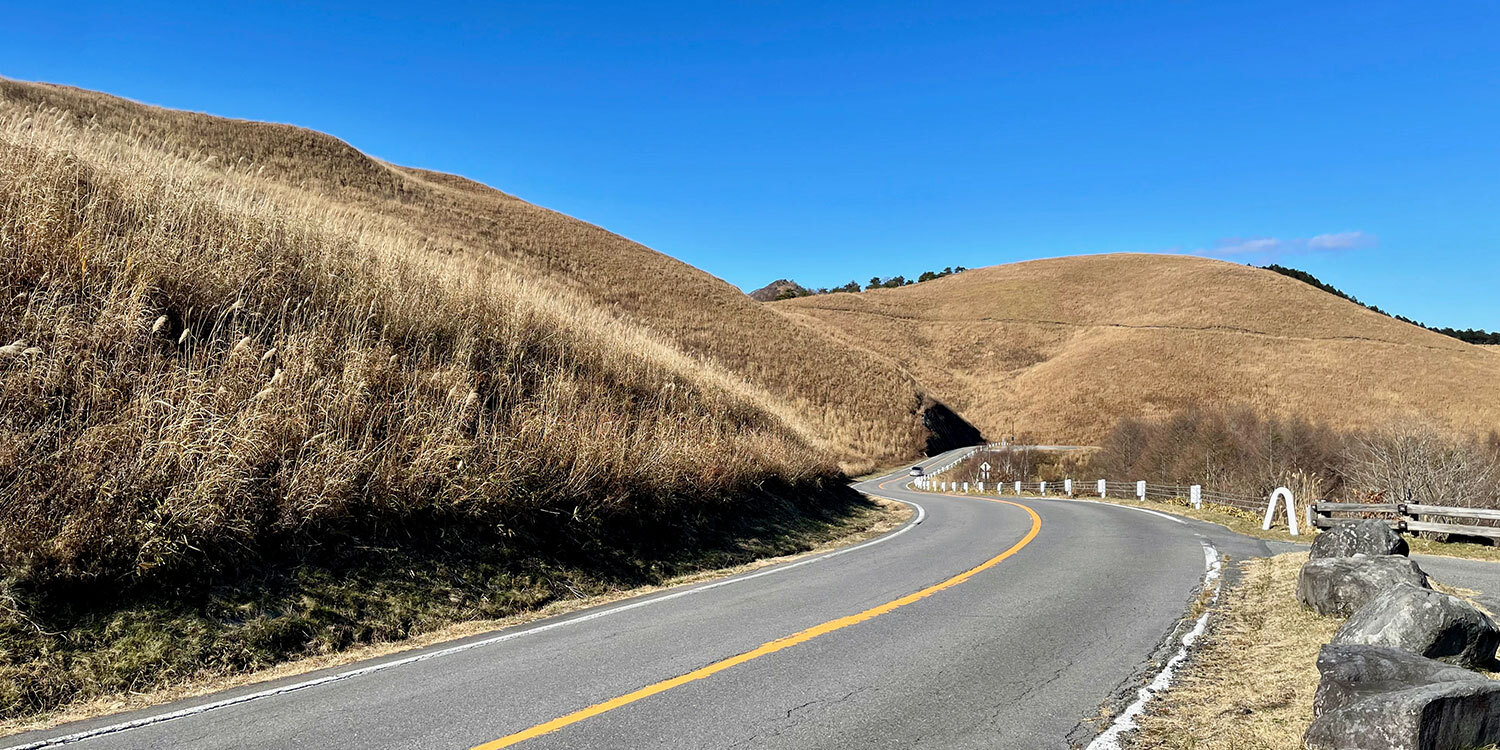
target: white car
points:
(916, 471)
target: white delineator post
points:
(1102, 489)
(1018, 488)
(1195, 495)
(966, 488)
(1068, 487)
(1140, 489)
(981, 488)
(1044, 489)
(1291, 511)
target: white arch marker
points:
(1291, 515)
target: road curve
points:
(988, 624)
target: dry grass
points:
(244, 362)
(1250, 685)
(858, 408)
(1063, 348)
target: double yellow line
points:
(767, 648)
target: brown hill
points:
(774, 290)
(854, 407)
(1061, 348)
(248, 365)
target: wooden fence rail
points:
(1407, 517)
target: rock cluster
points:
(1374, 697)
(1397, 674)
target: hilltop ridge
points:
(1061, 348)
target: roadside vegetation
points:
(1236, 451)
(1250, 684)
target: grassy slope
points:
(859, 407)
(1063, 346)
(262, 396)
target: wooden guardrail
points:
(1407, 517)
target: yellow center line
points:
(766, 648)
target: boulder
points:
(1358, 537)
(1341, 585)
(1452, 715)
(1351, 673)
(1425, 622)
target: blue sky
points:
(830, 142)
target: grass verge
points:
(164, 648)
(1250, 685)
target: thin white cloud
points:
(1265, 249)
(1341, 241)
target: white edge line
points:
(1168, 516)
(206, 707)
(1109, 739)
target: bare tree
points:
(1418, 463)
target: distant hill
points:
(779, 289)
(1062, 348)
(1469, 335)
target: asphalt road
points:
(987, 625)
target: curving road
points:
(988, 624)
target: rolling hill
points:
(244, 363)
(1059, 349)
(855, 406)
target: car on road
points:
(916, 471)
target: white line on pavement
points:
(1109, 739)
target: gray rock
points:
(1358, 537)
(1425, 622)
(1341, 585)
(1351, 673)
(1450, 715)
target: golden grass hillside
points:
(263, 397)
(857, 407)
(1062, 348)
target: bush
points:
(1418, 463)
(1225, 449)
